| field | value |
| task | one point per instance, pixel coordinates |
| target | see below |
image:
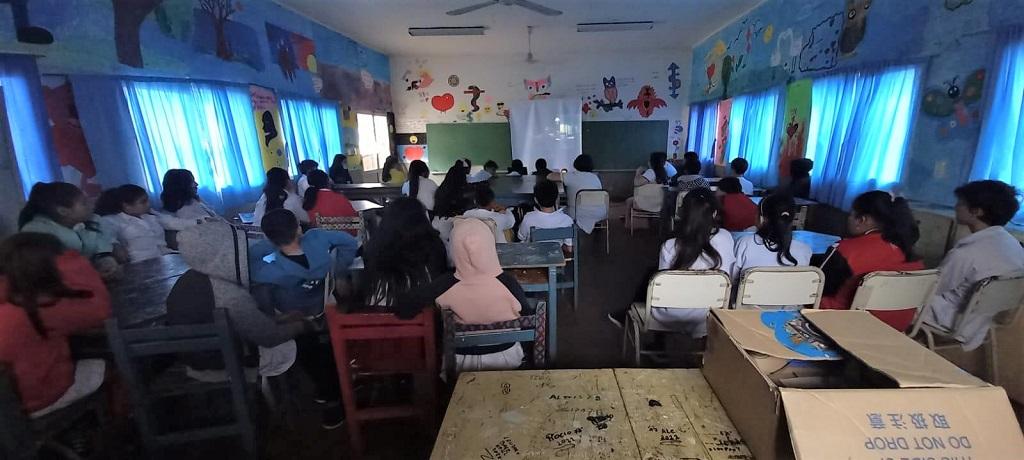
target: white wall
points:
(501, 80)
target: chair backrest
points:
(895, 290)
(529, 328)
(689, 289)
(338, 223)
(998, 297)
(553, 234)
(648, 197)
(780, 286)
(596, 198)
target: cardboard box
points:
(864, 391)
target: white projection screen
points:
(547, 128)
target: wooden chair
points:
(527, 328)
(996, 301)
(382, 344)
(598, 199)
(134, 348)
(896, 297)
(560, 234)
(650, 196)
(780, 287)
(678, 289)
(675, 210)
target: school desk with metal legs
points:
(540, 255)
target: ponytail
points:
(776, 229)
(417, 169)
(893, 214)
(276, 188)
(317, 180)
(45, 198)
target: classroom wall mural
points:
(73, 155)
(636, 86)
(241, 41)
(782, 41)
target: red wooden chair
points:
(381, 344)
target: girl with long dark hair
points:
(321, 201)
(773, 244)
(392, 173)
(419, 185)
(453, 196)
(48, 293)
(404, 253)
(278, 194)
(339, 170)
(62, 210)
(180, 196)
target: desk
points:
(373, 191)
(798, 201)
(819, 242)
(587, 414)
(517, 189)
(365, 205)
(545, 254)
(140, 296)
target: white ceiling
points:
(383, 24)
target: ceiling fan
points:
(523, 3)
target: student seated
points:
(277, 194)
(478, 293)
(739, 212)
(321, 201)
(739, 167)
(180, 196)
(339, 170)
(541, 168)
(487, 208)
(660, 171)
(583, 178)
(404, 253)
(883, 236)
(293, 265)
(393, 173)
(984, 207)
(516, 168)
(61, 209)
(490, 170)
(47, 293)
(773, 244)
(302, 183)
(454, 195)
(690, 179)
(419, 185)
(547, 214)
(125, 211)
(799, 184)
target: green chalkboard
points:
(622, 144)
(477, 141)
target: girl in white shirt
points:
(127, 214)
(583, 178)
(773, 244)
(419, 184)
(277, 194)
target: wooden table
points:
(140, 296)
(365, 205)
(819, 242)
(374, 191)
(587, 414)
(545, 254)
(517, 189)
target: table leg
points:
(552, 314)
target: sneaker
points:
(618, 319)
(332, 417)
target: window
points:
(1000, 154)
(752, 133)
(204, 128)
(374, 140)
(311, 130)
(858, 132)
(701, 135)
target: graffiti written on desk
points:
(506, 388)
(577, 397)
(728, 441)
(600, 420)
(669, 436)
(500, 450)
(565, 441)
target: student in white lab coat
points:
(126, 213)
(487, 208)
(277, 194)
(984, 207)
(547, 214)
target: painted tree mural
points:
(128, 17)
(220, 11)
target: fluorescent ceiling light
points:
(445, 31)
(613, 26)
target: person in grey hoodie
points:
(217, 254)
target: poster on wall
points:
(76, 165)
(722, 130)
(268, 122)
(411, 147)
(794, 126)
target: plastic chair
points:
(383, 344)
(675, 210)
(895, 297)
(997, 300)
(780, 287)
(599, 199)
(529, 328)
(682, 289)
(560, 234)
(134, 348)
(645, 198)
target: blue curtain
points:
(107, 122)
(752, 134)
(1000, 154)
(204, 128)
(29, 125)
(859, 128)
(312, 130)
(701, 135)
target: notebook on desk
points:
(247, 218)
